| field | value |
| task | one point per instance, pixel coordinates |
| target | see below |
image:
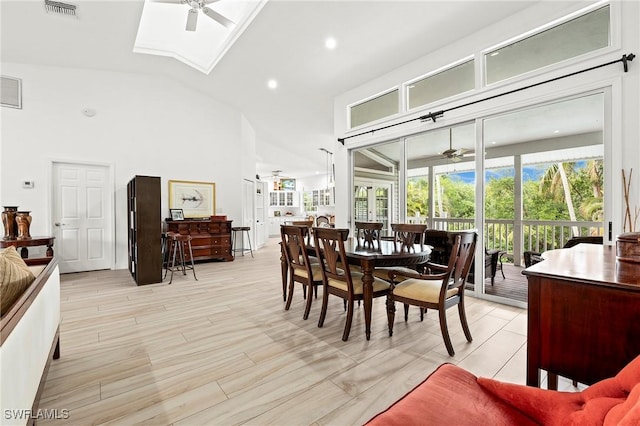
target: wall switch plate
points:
(28, 184)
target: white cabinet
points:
(276, 221)
(319, 197)
(284, 199)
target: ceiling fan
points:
(200, 5)
(456, 154)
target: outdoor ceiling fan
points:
(200, 5)
(456, 154)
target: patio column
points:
(517, 200)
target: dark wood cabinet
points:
(145, 229)
(210, 239)
(584, 311)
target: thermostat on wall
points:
(27, 184)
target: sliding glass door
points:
(542, 183)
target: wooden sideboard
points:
(584, 314)
(211, 238)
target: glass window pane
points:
(374, 109)
(375, 175)
(447, 83)
(573, 38)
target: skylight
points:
(162, 30)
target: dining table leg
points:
(367, 290)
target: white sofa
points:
(29, 339)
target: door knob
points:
(59, 224)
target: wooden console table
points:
(211, 239)
(584, 314)
(32, 242)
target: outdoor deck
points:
(512, 286)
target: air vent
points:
(11, 92)
(61, 8)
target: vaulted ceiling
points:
(285, 41)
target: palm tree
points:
(555, 182)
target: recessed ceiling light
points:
(496, 53)
(493, 142)
(330, 43)
(272, 84)
(556, 131)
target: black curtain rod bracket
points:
(626, 58)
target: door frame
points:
(112, 219)
(248, 184)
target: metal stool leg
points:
(173, 261)
(183, 258)
(193, 266)
(250, 248)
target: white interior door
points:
(372, 202)
(82, 216)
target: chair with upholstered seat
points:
(301, 269)
(323, 222)
(369, 232)
(343, 283)
(306, 223)
(405, 235)
(440, 290)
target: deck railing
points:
(537, 235)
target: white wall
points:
(625, 107)
(144, 125)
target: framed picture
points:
(288, 184)
(195, 199)
(176, 214)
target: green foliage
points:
(543, 199)
(499, 197)
(417, 196)
(458, 197)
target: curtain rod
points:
(434, 115)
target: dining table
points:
(369, 256)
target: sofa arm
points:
(449, 396)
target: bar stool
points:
(177, 244)
(239, 229)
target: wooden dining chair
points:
(301, 270)
(369, 232)
(408, 234)
(307, 223)
(323, 222)
(441, 289)
(344, 283)
(405, 235)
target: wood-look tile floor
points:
(222, 350)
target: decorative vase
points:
(23, 219)
(9, 222)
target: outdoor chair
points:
(532, 257)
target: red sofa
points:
(453, 396)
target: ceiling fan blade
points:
(192, 20)
(210, 1)
(449, 152)
(169, 1)
(217, 17)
